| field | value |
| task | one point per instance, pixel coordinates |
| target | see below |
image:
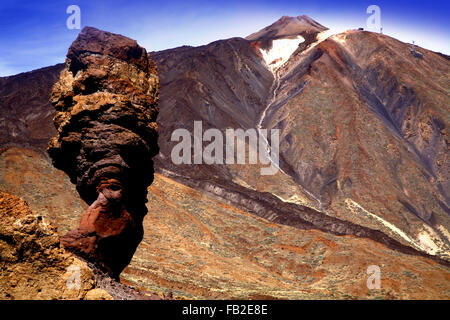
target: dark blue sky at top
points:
(33, 34)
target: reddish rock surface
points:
(34, 266)
(106, 102)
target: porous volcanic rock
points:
(106, 101)
(32, 263)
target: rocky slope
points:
(26, 119)
(32, 263)
(196, 245)
(363, 127)
(363, 179)
(375, 118)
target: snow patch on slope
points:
(324, 35)
(281, 51)
(425, 241)
(352, 205)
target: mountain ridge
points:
(288, 26)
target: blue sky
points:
(33, 34)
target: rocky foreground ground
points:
(198, 246)
(34, 265)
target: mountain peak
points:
(288, 26)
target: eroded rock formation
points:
(106, 102)
(32, 264)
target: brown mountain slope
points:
(25, 113)
(198, 246)
(286, 27)
(374, 118)
(363, 129)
